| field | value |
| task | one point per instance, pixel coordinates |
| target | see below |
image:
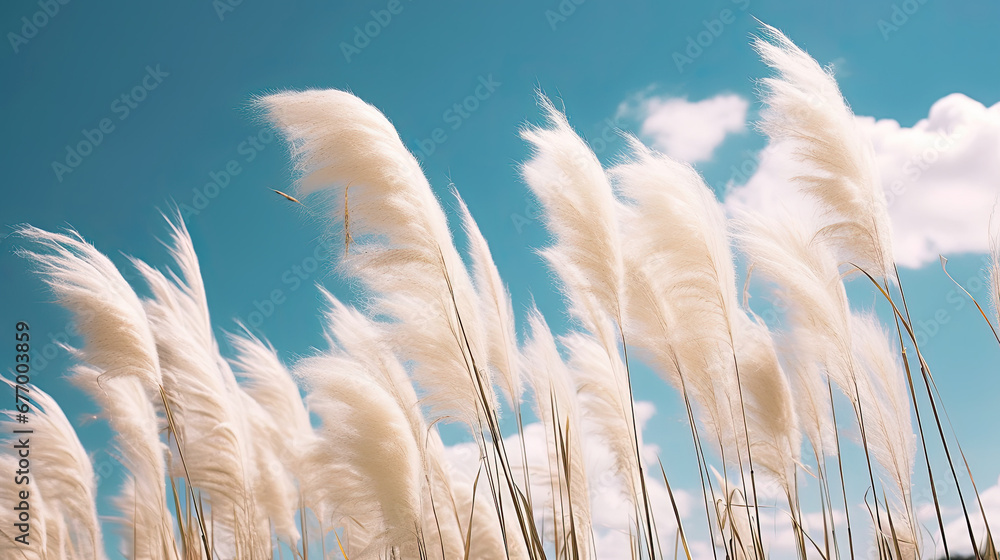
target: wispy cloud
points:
(686, 130)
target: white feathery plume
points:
(365, 463)
(357, 343)
(276, 496)
(402, 249)
(812, 397)
(603, 395)
(205, 400)
(122, 374)
(108, 313)
(580, 212)
(683, 307)
(806, 110)
(495, 308)
(885, 405)
(129, 410)
(558, 410)
(266, 379)
(773, 424)
(787, 252)
(362, 342)
(681, 282)
(784, 250)
(854, 350)
(354, 338)
(63, 472)
(188, 282)
(280, 428)
(57, 536)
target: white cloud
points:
(941, 176)
(687, 130)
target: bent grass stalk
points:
(180, 451)
(944, 267)
(638, 452)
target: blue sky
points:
(188, 72)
